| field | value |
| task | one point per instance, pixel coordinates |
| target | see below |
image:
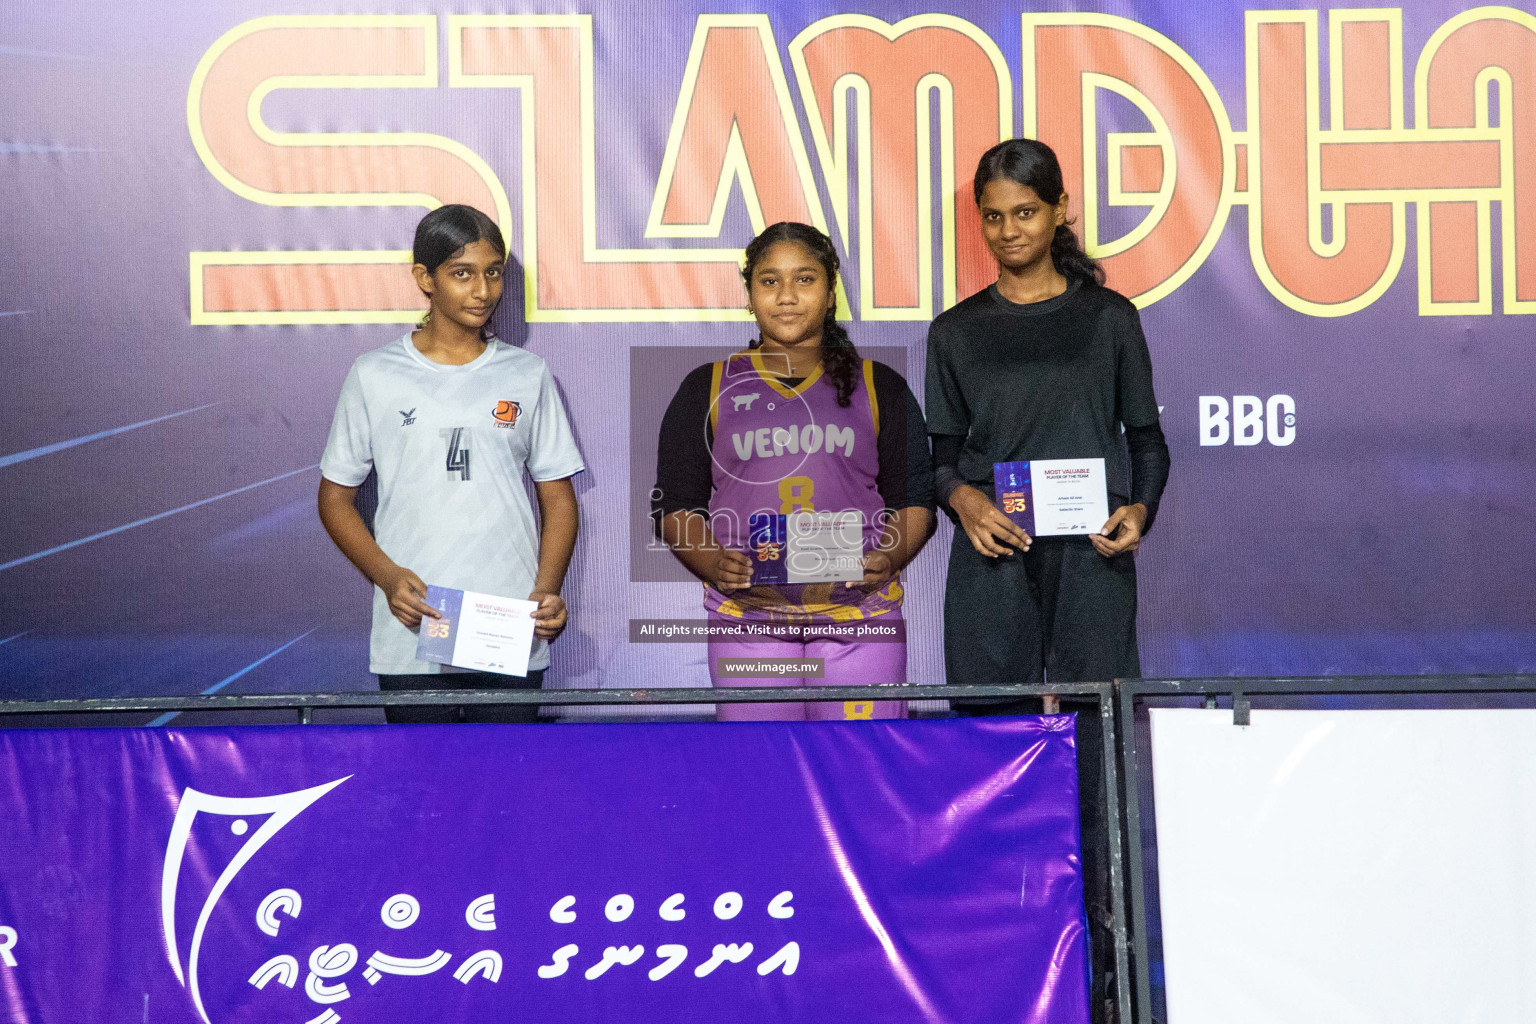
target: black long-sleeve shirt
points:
(1048, 380)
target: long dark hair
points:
(1032, 163)
(839, 359)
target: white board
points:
(1347, 866)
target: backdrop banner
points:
(923, 872)
(1327, 218)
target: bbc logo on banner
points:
(1247, 420)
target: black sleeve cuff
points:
(1149, 468)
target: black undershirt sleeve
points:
(684, 479)
(1136, 408)
(1149, 467)
(905, 476)
(946, 466)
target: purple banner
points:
(916, 871)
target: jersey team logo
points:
(506, 414)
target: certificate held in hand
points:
(806, 547)
(478, 631)
(1053, 497)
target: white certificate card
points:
(1071, 496)
(825, 547)
(1053, 497)
(481, 632)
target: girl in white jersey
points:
(450, 418)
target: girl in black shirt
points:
(1045, 364)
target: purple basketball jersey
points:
(779, 450)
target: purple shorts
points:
(845, 663)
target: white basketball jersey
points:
(450, 444)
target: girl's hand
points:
(550, 616)
(732, 571)
(986, 526)
(1122, 532)
(878, 571)
(407, 596)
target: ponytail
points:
(1070, 259)
(839, 359)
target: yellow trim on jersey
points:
(808, 613)
(772, 379)
(731, 608)
(714, 395)
(869, 389)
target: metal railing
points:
(307, 703)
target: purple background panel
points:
(934, 869)
(158, 478)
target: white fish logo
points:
(283, 808)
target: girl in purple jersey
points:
(798, 422)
